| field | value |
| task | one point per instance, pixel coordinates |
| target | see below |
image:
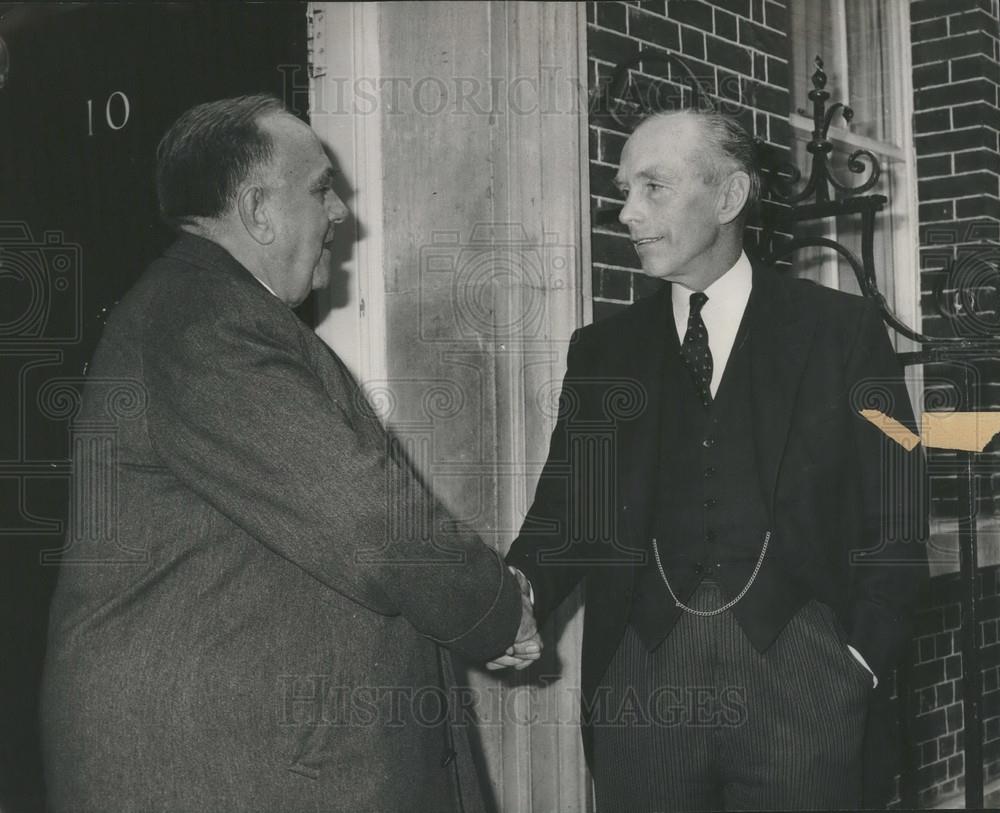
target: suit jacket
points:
(820, 465)
(256, 622)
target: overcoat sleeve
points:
(240, 417)
(890, 563)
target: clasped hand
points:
(527, 646)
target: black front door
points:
(88, 92)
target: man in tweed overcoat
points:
(248, 627)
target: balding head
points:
(250, 176)
(208, 153)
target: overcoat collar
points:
(210, 256)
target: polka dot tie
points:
(694, 349)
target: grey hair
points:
(728, 144)
(208, 152)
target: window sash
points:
(898, 225)
(840, 65)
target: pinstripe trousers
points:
(705, 722)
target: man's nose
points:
(336, 211)
(629, 212)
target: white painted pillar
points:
(462, 128)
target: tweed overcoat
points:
(258, 597)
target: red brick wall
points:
(738, 51)
(956, 122)
(937, 682)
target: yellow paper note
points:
(963, 431)
(891, 427)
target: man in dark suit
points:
(711, 483)
(258, 621)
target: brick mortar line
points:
(965, 197)
(717, 69)
(969, 149)
(715, 33)
(929, 247)
(957, 105)
(713, 8)
(604, 63)
(956, 83)
(957, 130)
(749, 48)
(961, 106)
(958, 13)
(948, 59)
(993, 37)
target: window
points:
(865, 53)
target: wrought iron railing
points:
(814, 201)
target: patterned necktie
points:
(694, 350)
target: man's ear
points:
(254, 214)
(733, 193)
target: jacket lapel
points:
(780, 340)
(640, 440)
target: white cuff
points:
(860, 659)
(531, 590)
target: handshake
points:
(527, 646)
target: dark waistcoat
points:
(710, 517)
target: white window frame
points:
(905, 301)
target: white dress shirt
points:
(269, 288)
(722, 313)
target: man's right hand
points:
(527, 646)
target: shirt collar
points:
(731, 291)
(266, 286)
